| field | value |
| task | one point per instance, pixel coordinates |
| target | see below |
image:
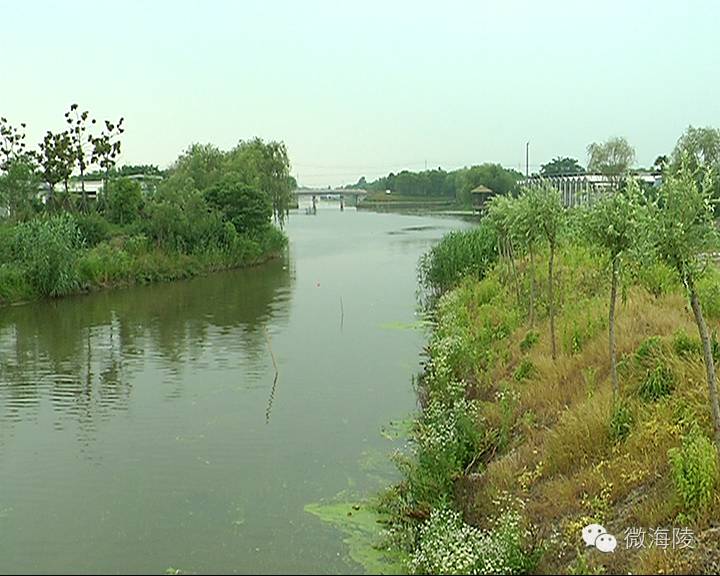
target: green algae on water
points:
(361, 525)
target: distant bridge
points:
(332, 193)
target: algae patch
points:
(361, 525)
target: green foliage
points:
(611, 158)
(123, 201)
(47, 249)
(621, 422)
(708, 288)
(457, 255)
(245, 206)
(529, 341)
(684, 224)
(657, 278)
(18, 188)
(561, 167)
(694, 468)
(616, 222)
(94, 228)
(686, 346)
(526, 369)
(658, 382)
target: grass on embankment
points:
(529, 451)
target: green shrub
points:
(104, 265)
(48, 249)
(94, 228)
(621, 421)
(457, 255)
(694, 468)
(529, 341)
(685, 345)
(648, 352)
(526, 369)
(709, 294)
(657, 278)
(13, 283)
(658, 382)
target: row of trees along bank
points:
(211, 209)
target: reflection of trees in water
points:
(80, 352)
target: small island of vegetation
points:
(211, 210)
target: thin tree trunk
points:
(709, 362)
(613, 351)
(532, 287)
(514, 273)
(551, 299)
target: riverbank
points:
(122, 261)
(514, 453)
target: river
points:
(142, 430)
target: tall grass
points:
(459, 254)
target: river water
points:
(140, 429)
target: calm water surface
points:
(139, 428)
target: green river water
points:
(140, 429)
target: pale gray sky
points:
(367, 87)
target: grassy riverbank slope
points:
(514, 453)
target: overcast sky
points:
(363, 88)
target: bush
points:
(48, 250)
(527, 343)
(694, 470)
(458, 254)
(685, 345)
(122, 201)
(94, 228)
(658, 382)
(525, 370)
(657, 278)
(621, 421)
(248, 208)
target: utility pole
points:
(527, 160)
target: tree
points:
(106, 148)
(684, 232)
(613, 158)
(123, 200)
(267, 167)
(550, 216)
(613, 223)
(78, 126)
(699, 148)
(561, 167)
(248, 208)
(56, 158)
(12, 143)
(527, 230)
(500, 180)
(19, 187)
(661, 162)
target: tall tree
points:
(12, 143)
(612, 158)
(684, 231)
(561, 167)
(551, 219)
(614, 224)
(57, 159)
(81, 141)
(106, 148)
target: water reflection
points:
(79, 354)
